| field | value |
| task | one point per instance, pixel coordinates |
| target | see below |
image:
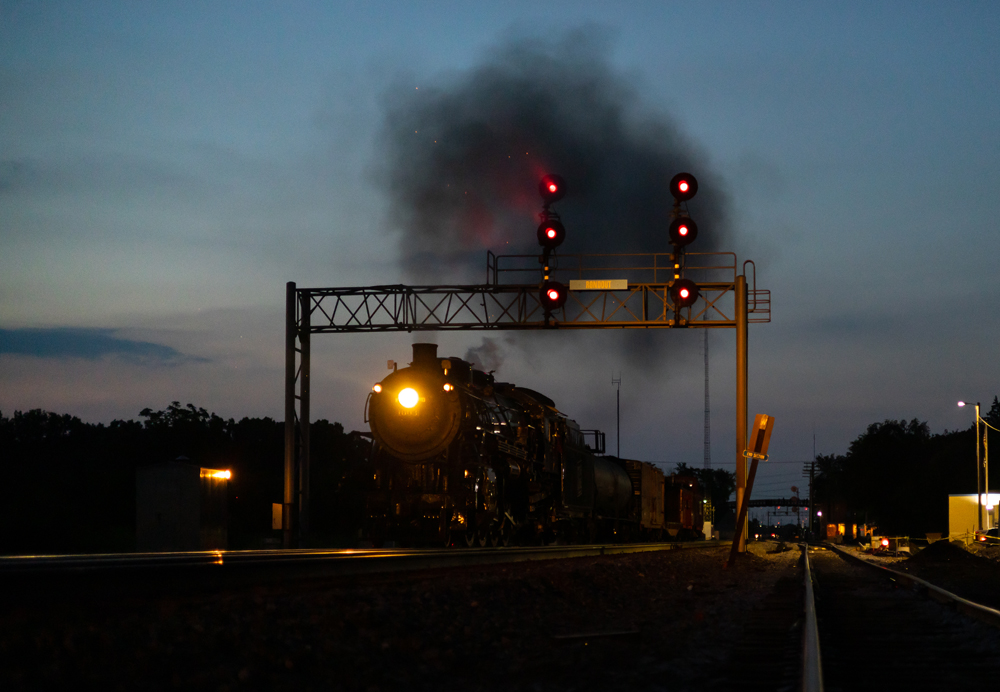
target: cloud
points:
(88, 344)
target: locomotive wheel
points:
(500, 535)
(475, 539)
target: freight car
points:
(460, 457)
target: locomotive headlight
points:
(448, 387)
(377, 388)
(408, 398)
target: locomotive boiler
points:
(460, 457)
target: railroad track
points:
(221, 569)
(874, 632)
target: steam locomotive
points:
(461, 458)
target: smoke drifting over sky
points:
(464, 157)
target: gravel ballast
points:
(647, 621)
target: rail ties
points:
(878, 636)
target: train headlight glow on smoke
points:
(408, 398)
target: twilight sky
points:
(166, 167)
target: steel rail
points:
(963, 605)
(319, 562)
(812, 663)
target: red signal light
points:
(683, 231)
(552, 188)
(553, 295)
(551, 234)
(684, 293)
(683, 186)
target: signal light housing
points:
(551, 234)
(683, 231)
(552, 188)
(553, 295)
(684, 293)
(683, 187)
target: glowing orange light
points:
(885, 542)
(377, 388)
(408, 398)
(448, 387)
(214, 473)
(553, 294)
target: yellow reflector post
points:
(408, 398)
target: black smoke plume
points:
(487, 356)
(463, 157)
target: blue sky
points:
(165, 168)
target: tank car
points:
(460, 457)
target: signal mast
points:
(551, 234)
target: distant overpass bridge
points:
(780, 503)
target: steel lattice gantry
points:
(644, 303)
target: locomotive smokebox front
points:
(416, 414)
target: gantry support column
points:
(304, 345)
(289, 496)
(741, 402)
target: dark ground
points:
(970, 572)
(670, 619)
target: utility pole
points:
(618, 413)
(986, 475)
(708, 419)
(979, 474)
(812, 482)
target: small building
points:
(180, 507)
(962, 519)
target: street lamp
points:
(979, 471)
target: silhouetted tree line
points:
(897, 475)
(69, 486)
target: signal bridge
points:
(667, 290)
(631, 291)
